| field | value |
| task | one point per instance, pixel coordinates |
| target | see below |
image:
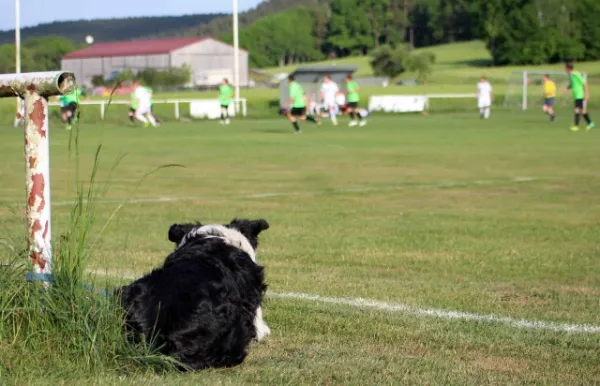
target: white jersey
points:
(143, 95)
(484, 90)
(329, 91)
(340, 99)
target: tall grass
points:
(67, 329)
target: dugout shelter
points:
(311, 77)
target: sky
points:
(34, 12)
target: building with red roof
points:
(210, 60)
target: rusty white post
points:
(36, 88)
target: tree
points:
(421, 63)
(48, 51)
(587, 13)
(350, 31)
(389, 61)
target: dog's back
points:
(199, 307)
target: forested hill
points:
(222, 25)
(112, 29)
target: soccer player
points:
(329, 91)
(297, 104)
(549, 97)
(352, 99)
(144, 103)
(132, 106)
(484, 97)
(225, 98)
(20, 115)
(71, 104)
(581, 93)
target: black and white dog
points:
(203, 305)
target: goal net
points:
(525, 88)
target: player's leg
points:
(292, 114)
(140, 114)
(361, 119)
(226, 114)
(577, 116)
(487, 111)
(223, 112)
(352, 111)
(132, 115)
(550, 108)
(332, 113)
(586, 116)
(481, 107)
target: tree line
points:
(515, 31)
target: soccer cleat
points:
(352, 123)
(146, 124)
(362, 123)
(591, 126)
(227, 121)
(574, 128)
(68, 127)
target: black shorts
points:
(131, 110)
(549, 102)
(224, 106)
(71, 107)
(352, 105)
(298, 111)
(580, 104)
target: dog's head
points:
(241, 233)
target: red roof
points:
(132, 48)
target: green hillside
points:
(456, 64)
(110, 29)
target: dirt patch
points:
(502, 364)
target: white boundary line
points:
(419, 312)
(441, 185)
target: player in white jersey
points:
(144, 105)
(484, 97)
(329, 92)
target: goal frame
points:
(525, 84)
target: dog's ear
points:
(258, 226)
(250, 228)
(178, 231)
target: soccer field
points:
(422, 216)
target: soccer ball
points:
(89, 39)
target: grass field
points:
(443, 212)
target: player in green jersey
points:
(225, 99)
(132, 106)
(298, 101)
(581, 93)
(352, 99)
(71, 105)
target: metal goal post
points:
(35, 88)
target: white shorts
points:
(484, 102)
(329, 103)
(143, 108)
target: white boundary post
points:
(36, 88)
(525, 76)
(236, 55)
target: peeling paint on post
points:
(36, 88)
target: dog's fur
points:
(202, 306)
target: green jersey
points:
(62, 100)
(297, 95)
(352, 88)
(149, 92)
(577, 85)
(73, 97)
(134, 100)
(225, 94)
